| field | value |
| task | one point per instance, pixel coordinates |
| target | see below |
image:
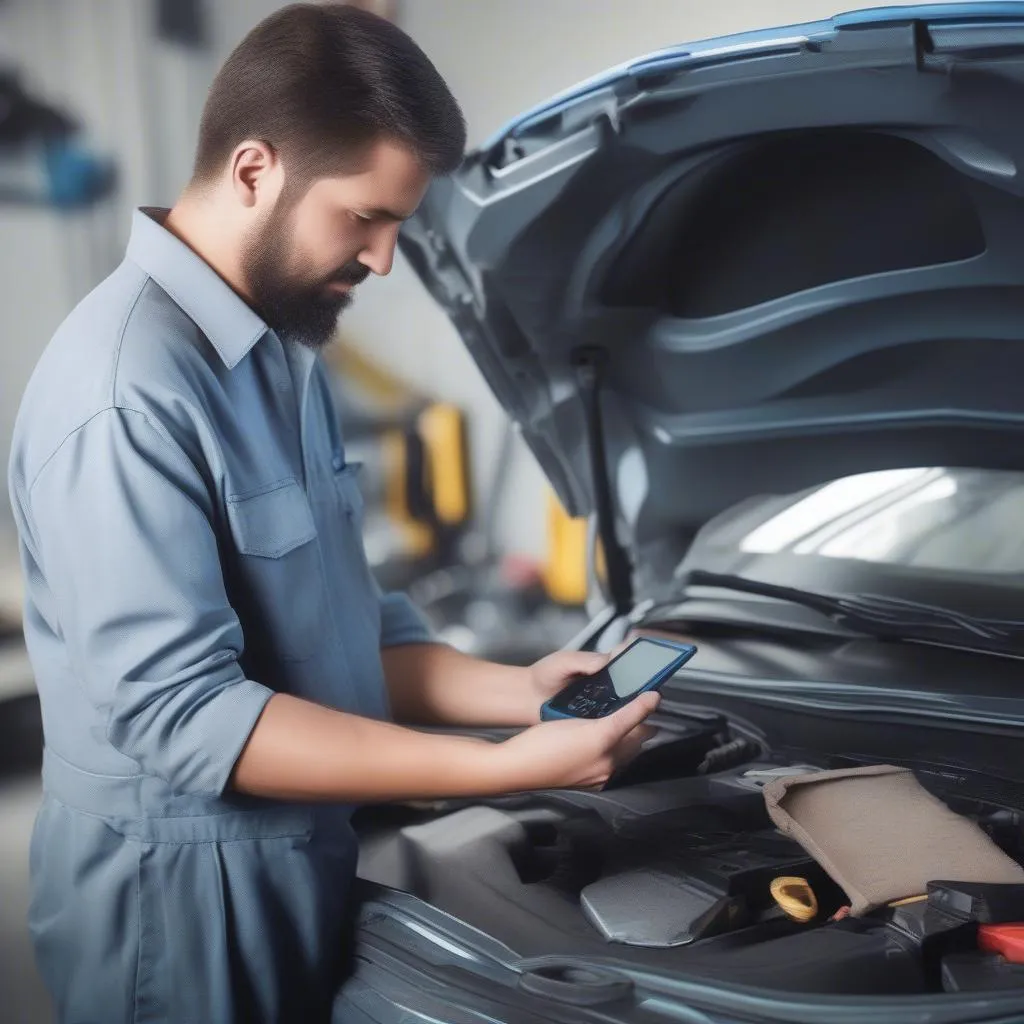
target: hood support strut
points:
(589, 363)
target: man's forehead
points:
(390, 182)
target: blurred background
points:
(99, 107)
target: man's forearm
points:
(303, 751)
(433, 684)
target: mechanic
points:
(218, 670)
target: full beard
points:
(297, 308)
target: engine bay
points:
(672, 867)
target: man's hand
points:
(574, 753)
(551, 674)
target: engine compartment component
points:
(681, 748)
(669, 879)
(796, 898)
(984, 902)
(1005, 939)
(980, 972)
(881, 835)
(670, 868)
(649, 907)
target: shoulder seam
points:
(81, 426)
(67, 437)
(120, 338)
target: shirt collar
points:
(199, 291)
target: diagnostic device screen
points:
(632, 670)
(621, 679)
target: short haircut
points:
(320, 83)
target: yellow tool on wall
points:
(423, 449)
(565, 569)
(442, 428)
(417, 536)
(427, 478)
(565, 572)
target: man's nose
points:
(379, 255)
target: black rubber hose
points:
(729, 755)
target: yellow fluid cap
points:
(795, 897)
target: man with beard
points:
(220, 676)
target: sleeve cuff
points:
(233, 719)
(196, 738)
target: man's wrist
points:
(504, 770)
(486, 770)
(533, 696)
(521, 695)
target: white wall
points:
(138, 102)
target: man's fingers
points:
(584, 663)
(618, 649)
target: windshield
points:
(953, 520)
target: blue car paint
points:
(678, 56)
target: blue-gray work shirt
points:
(191, 542)
(189, 528)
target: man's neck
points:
(199, 225)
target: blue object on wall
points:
(76, 177)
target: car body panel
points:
(799, 254)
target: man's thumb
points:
(624, 721)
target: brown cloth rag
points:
(881, 835)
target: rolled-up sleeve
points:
(122, 526)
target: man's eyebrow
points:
(380, 213)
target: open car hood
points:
(782, 257)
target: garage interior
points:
(488, 552)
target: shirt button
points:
(338, 462)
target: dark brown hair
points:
(319, 83)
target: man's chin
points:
(314, 339)
(314, 329)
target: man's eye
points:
(361, 217)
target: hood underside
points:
(798, 254)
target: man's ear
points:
(254, 164)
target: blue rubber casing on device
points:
(684, 652)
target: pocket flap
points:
(272, 523)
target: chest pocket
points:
(279, 566)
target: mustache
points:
(352, 273)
